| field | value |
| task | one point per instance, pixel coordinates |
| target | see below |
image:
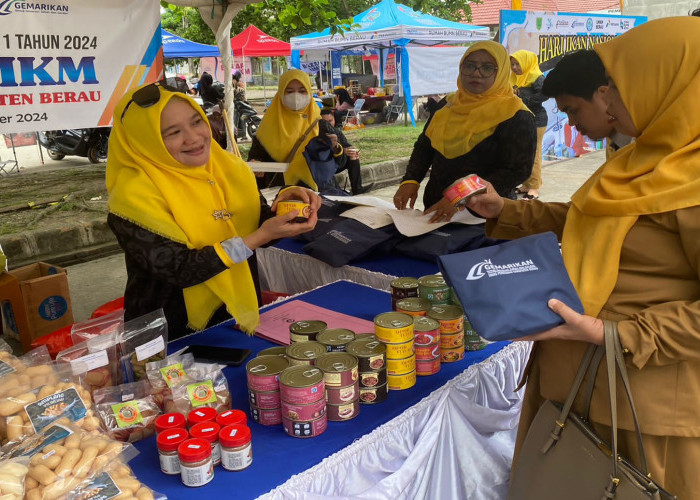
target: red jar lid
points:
(170, 421)
(206, 430)
(201, 415)
(231, 417)
(170, 439)
(232, 436)
(194, 450)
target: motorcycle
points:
(245, 119)
(88, 142)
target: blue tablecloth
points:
(276, 456)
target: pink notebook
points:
(274, 324)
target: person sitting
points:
(482, 129)
(349, 159)
(578, 84)
(343, 104)
(187, 214)
(287, 126)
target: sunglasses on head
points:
(149, 95)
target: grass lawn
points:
(377, 142)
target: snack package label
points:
(127, 414)
(89, 362)
(49, 436)
(201, 393)
(172, 373)
(100, 488)
(5, 369)
(150, 348)
(62, 404)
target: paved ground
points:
(99, 281)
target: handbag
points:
(563, 457)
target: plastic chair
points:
(8, 166)
(354, 112)
(394, 108)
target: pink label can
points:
(426, 352)
(308, 429)
(264, 371)
(341, 413)
(341, 395)
(264, 399)
(264, 416)
(425, 367)
(302, 384)
(307, 412)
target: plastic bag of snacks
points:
(21, 374)
(12, 474)
(95, 361)
(163, 375)
(208, 387)
(109, 323)
(143, 341)
(128, 411)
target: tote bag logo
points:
(491, 270)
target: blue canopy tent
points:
(174, 46)
(390, 25)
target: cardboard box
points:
(35, 301)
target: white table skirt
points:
(456, 443)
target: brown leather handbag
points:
(563, 457)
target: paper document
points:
(274, 324)
(368, 201)
(373, 217)
(268, 166)
(414, 223)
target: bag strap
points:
(297, 145)
(590, 381)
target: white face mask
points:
(296, 101)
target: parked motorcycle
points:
(245, 118)
(88, 142)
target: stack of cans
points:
(414, 306)
(303, 401)
(434, 288)
(402, 288)
(340, 377)
(451, 320)
(304, 353)
(371, 363)
(395, 329)
(336, 339)
(304, 331)
(263, 375)
(427, 344)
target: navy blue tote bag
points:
(504, 288)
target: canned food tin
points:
(341, 413)
(459, 192)
(425, 367)
(403, 365)
(307, 328)
(451, 318)
(372, 379)
(401, 381)
(311, 411)
(428, 351)
(370, 353)
(272, 416)
(474, 343)
(426, 331)
(278, 350)
(308, 429)
(339, 368)
(393, 327)
(452, 341)
(336, 339)
(398, 351)
(415, 306)
(373, 395)
(304, 353)
(342, 395)
(284, 207)
(452, 355)
(301, 384)
(434, 288)
(402, 288)
(263, 372)
(264, 399)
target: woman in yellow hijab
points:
(290, 122)
(527, 81)
(187, 214)
(482, 129)
(630, 241)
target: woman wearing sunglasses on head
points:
(187, 214)
(481, 129)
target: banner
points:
(212, 65)
(550, 35)
(433, 70)
(66, 63)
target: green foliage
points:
(187, 23)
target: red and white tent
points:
(252, 42)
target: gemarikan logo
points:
(490, 270)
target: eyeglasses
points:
(469, 68)
(147, 96)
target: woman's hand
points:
(279, 227)
(301, 194)
(334, 140)
(407, 193)
(577, 327)
(442, 211)
(489, 204)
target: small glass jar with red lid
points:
(236, 448)
(167, 442)
(196, 466)
(209, 431)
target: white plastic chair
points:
(8, 166)
(355, 112)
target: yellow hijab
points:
(530, 66)
(281, 127)
(468, 118)
(149, 187)
(656, 68)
